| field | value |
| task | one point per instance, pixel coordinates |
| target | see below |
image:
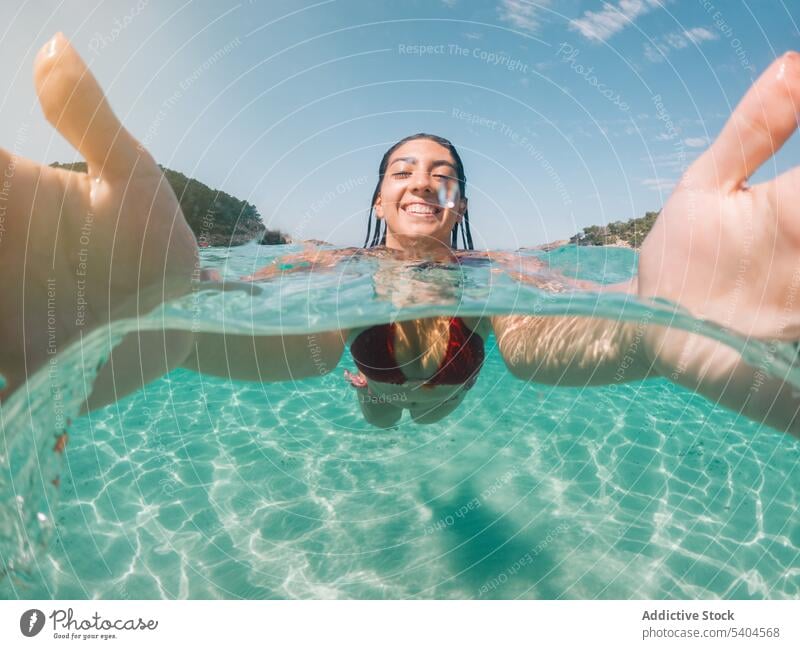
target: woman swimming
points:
(721, 249)
(427, 365)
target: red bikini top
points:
(373, 352)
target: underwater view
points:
(203, 487)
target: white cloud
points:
(657, 50)
(522, 14)
(653, 53)
(700, 34)
(450, 3)
(696, 142)
(602, 25)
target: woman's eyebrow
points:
(413, 160)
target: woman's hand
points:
(78, 249)
(730, 253)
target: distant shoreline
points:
(619, 243)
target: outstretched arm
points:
(80, 250)
(574, 351)
(725, 251)
(730, 252)
(266, 358)
(311, 259)
(271, 358)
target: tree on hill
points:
(631, 232)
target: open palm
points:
(88, 247)
(729, 252)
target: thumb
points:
(74, 103)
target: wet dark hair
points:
(379, 236)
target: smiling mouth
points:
(422, 210)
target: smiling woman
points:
(428, 223)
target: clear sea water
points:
(202, 487)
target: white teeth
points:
(418, 208)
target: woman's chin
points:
(425, 234)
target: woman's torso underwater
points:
(420, 362)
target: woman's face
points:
(409, 196)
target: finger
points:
(764, 119)
(74, 103)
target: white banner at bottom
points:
(390, 624)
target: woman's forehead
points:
(422, 151)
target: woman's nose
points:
(422, 180)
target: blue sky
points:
(566, 113)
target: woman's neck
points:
(420, 248)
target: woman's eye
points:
(402, 173)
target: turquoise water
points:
(203, 487)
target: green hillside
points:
(631, 232)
